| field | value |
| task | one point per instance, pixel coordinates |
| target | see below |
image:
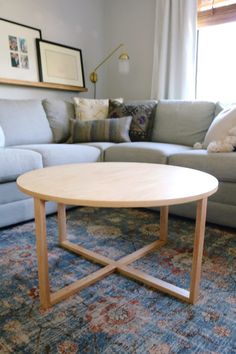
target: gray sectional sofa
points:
(36, 135)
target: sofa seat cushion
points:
(15, 162)
(59, 154)
(100, 145)
(24, 122)
(142, 152)
(221, 165)
(182, 122)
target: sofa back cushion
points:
(59, 113)
(182, 122)
(24, 122)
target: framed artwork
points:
(60, 64)
(18, 54)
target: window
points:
(216, 69)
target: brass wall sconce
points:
(123, 65)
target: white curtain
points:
(174, 61)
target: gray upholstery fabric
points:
(59, 113)
(219, 107)
(221, 207)
(182, 122)
(9, 192)
(14, 162)
(221, 165)
(100, 145)
(21, 210)
(59, 154)
(142, 152)
(216, 212)
(225, 194)
(2, 138)
(24, 122)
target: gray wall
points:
(131, 22)
(95, 26)
(76, 23)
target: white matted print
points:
(60, 64)
(18, 55)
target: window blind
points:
(214, 12)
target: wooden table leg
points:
(198, 250)
(164, 213)
(61, 219)
(42, 252)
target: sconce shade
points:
(123, 63)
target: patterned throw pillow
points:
(142, 113)
(89, 108)
(105, 130)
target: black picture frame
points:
(18, 54)
(60, 64)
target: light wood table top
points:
(114, 184)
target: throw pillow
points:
(227, 144)
(105, 130)
(2, 138)
(89, 109)
(219, 128)
(142, 117)
(59, 113)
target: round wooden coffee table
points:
(117, 185)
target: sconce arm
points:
(93, 76)
(108, 56)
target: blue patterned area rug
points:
(118, 315)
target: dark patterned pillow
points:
(142, 112)
(105, 130)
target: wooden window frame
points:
(217, 15)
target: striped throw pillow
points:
(105, 130)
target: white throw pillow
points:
(91, 109)
(219, 128)
(227, 144)
(2, 138)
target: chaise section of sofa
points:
(177, 126)
(14, 205)
(221, 205)
(29, 144)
